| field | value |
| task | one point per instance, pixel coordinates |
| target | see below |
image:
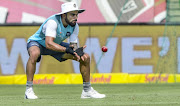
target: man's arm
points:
(50, 44)
(50, 33)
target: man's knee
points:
(34, 54)
(86, 59)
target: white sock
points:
(86, 86)
(29, 84)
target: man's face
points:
(71, 18)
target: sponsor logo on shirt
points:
(68, 33)
(59, 34)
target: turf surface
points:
(117, 94)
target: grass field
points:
(117, 94)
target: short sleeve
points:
(74, 36)
(51, 27)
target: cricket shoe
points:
(92, 94)
(29, 94)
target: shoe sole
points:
(25, 97)
(85, 97)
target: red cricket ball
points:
(104, 49)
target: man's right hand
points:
(71, 51)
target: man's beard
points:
(70, 23)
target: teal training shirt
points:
(61, 32)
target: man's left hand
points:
(80, 52)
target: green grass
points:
(117, 94)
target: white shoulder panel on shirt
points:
(49, 29)
(74, 36)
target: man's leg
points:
(85, 72)
(34, 53)
(84, 66)
(88, 91)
